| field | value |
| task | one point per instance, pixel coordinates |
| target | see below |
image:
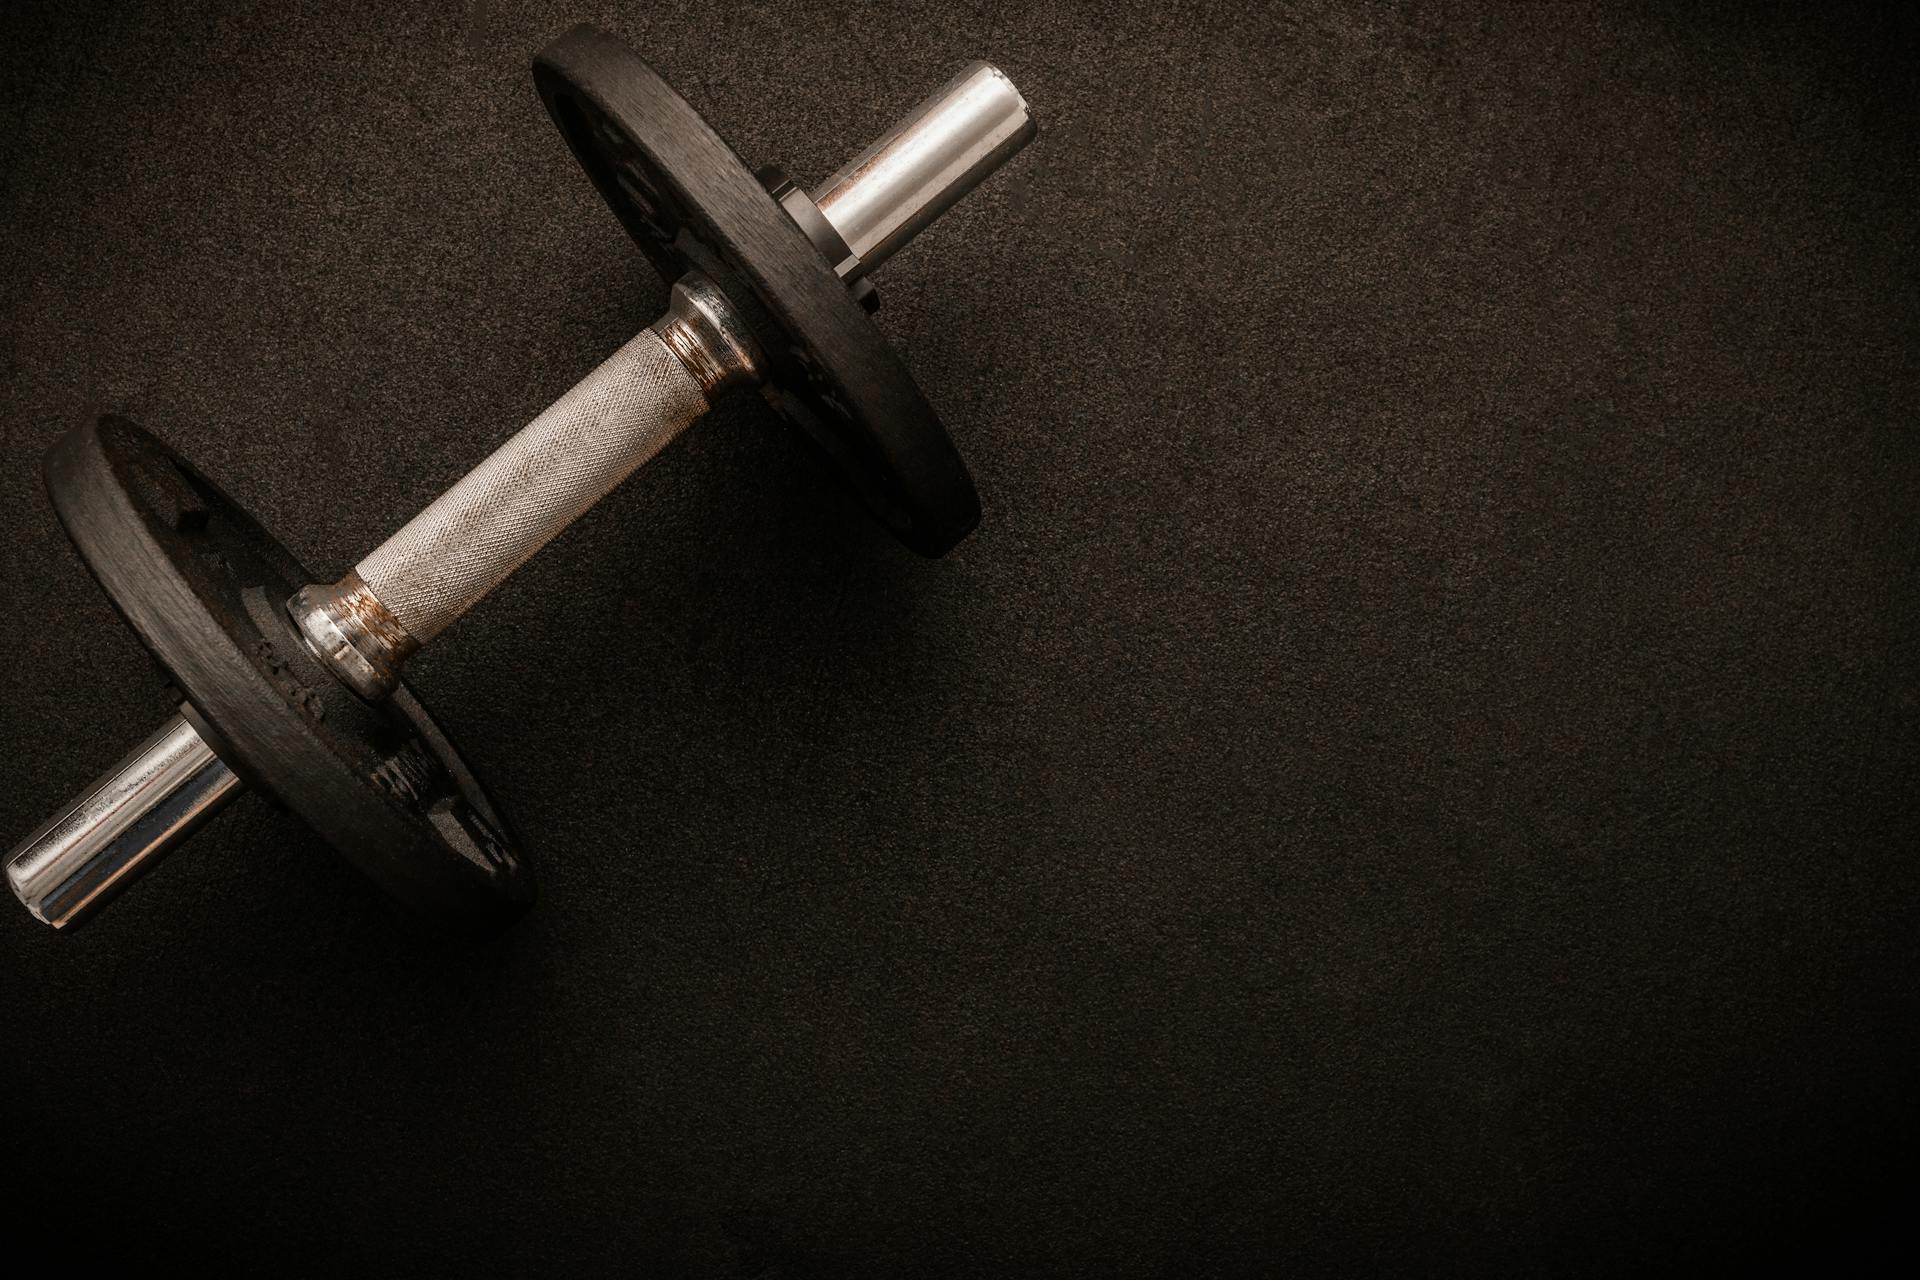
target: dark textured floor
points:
(1415, 771)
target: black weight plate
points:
(691, 204)
(205, 587)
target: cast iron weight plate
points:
(205, 587)
(692, 204)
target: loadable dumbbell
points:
(291, 685)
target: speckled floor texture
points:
(1414, 774)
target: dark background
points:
(1415, 770)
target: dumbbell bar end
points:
(126, 822)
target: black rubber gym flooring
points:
(1415, 772)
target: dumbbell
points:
(290, 685)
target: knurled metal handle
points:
(444, 560)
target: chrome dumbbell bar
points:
(446, 559)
